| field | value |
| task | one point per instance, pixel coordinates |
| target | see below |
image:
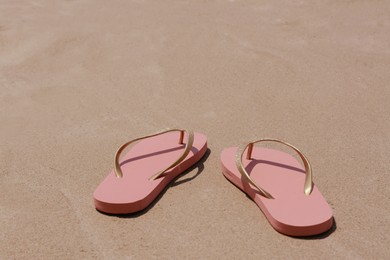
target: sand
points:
(79, 78)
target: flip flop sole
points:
(291, 212)
(134, 191)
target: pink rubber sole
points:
(134, 192)
(291, 212)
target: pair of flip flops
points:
(287, 196)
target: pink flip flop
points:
(147, 169)
(288, 198)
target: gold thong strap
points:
(190, 141)
(308, 187)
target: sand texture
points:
(79, 78)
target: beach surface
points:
(79, 78)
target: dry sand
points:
(79, 78)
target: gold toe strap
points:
(308, 187)
(190, 141)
